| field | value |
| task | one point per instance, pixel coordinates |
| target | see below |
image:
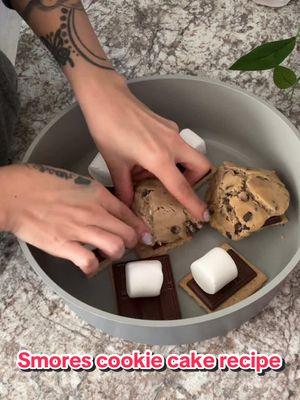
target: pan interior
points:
(236, 127)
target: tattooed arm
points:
(65, 30)
(133, 140)
(65, 210)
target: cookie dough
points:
(171, 224)
(241, 199)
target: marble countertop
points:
(145, 37)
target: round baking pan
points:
(238, 127)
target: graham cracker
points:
(244, 292)
(148, 251)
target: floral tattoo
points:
(66, 43)
(55, 44)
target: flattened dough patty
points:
(242, 199)
(168, 219)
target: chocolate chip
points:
(193, 227)
(211, 209)
(246, 228)
(190, 227)
(238, 228)
(146, 192)
(175, 229)
(228, 234)
(157, 245)
(247, 216)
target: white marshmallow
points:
(98, 169)
(194, 140)
(144, 278)
(214, 270)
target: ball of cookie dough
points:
(168, 220)
(241, 200)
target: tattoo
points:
(48, 5)
(81, 180)
(60, 173)
(66, 43)
(55, 44)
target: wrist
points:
(99, 84)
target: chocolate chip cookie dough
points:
(242, 200)
(171, 224)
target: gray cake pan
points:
(237, 126)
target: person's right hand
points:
(59, 211)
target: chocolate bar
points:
(276, 220)
(162, 307)
(248, 281)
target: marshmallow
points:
(214, 270)
(98, 170)
(194, 140)
(143, 278)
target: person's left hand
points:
(136, 142)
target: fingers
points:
(119, 210)
(112, 245)
(114, 225)
(178, 186)
(196, 164)
(123, 183)
(80, 256)
(144, 174)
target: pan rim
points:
(70, 299)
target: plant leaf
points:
(266, 56)
(284, 77)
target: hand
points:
(58, 211)
(135, 142)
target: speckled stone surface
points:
(145, 37)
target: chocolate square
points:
(245, 275)
(273, 220)
(162, 307)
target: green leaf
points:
(266, 56)
(284, 77)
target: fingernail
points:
(206, 216)
(147, 239)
